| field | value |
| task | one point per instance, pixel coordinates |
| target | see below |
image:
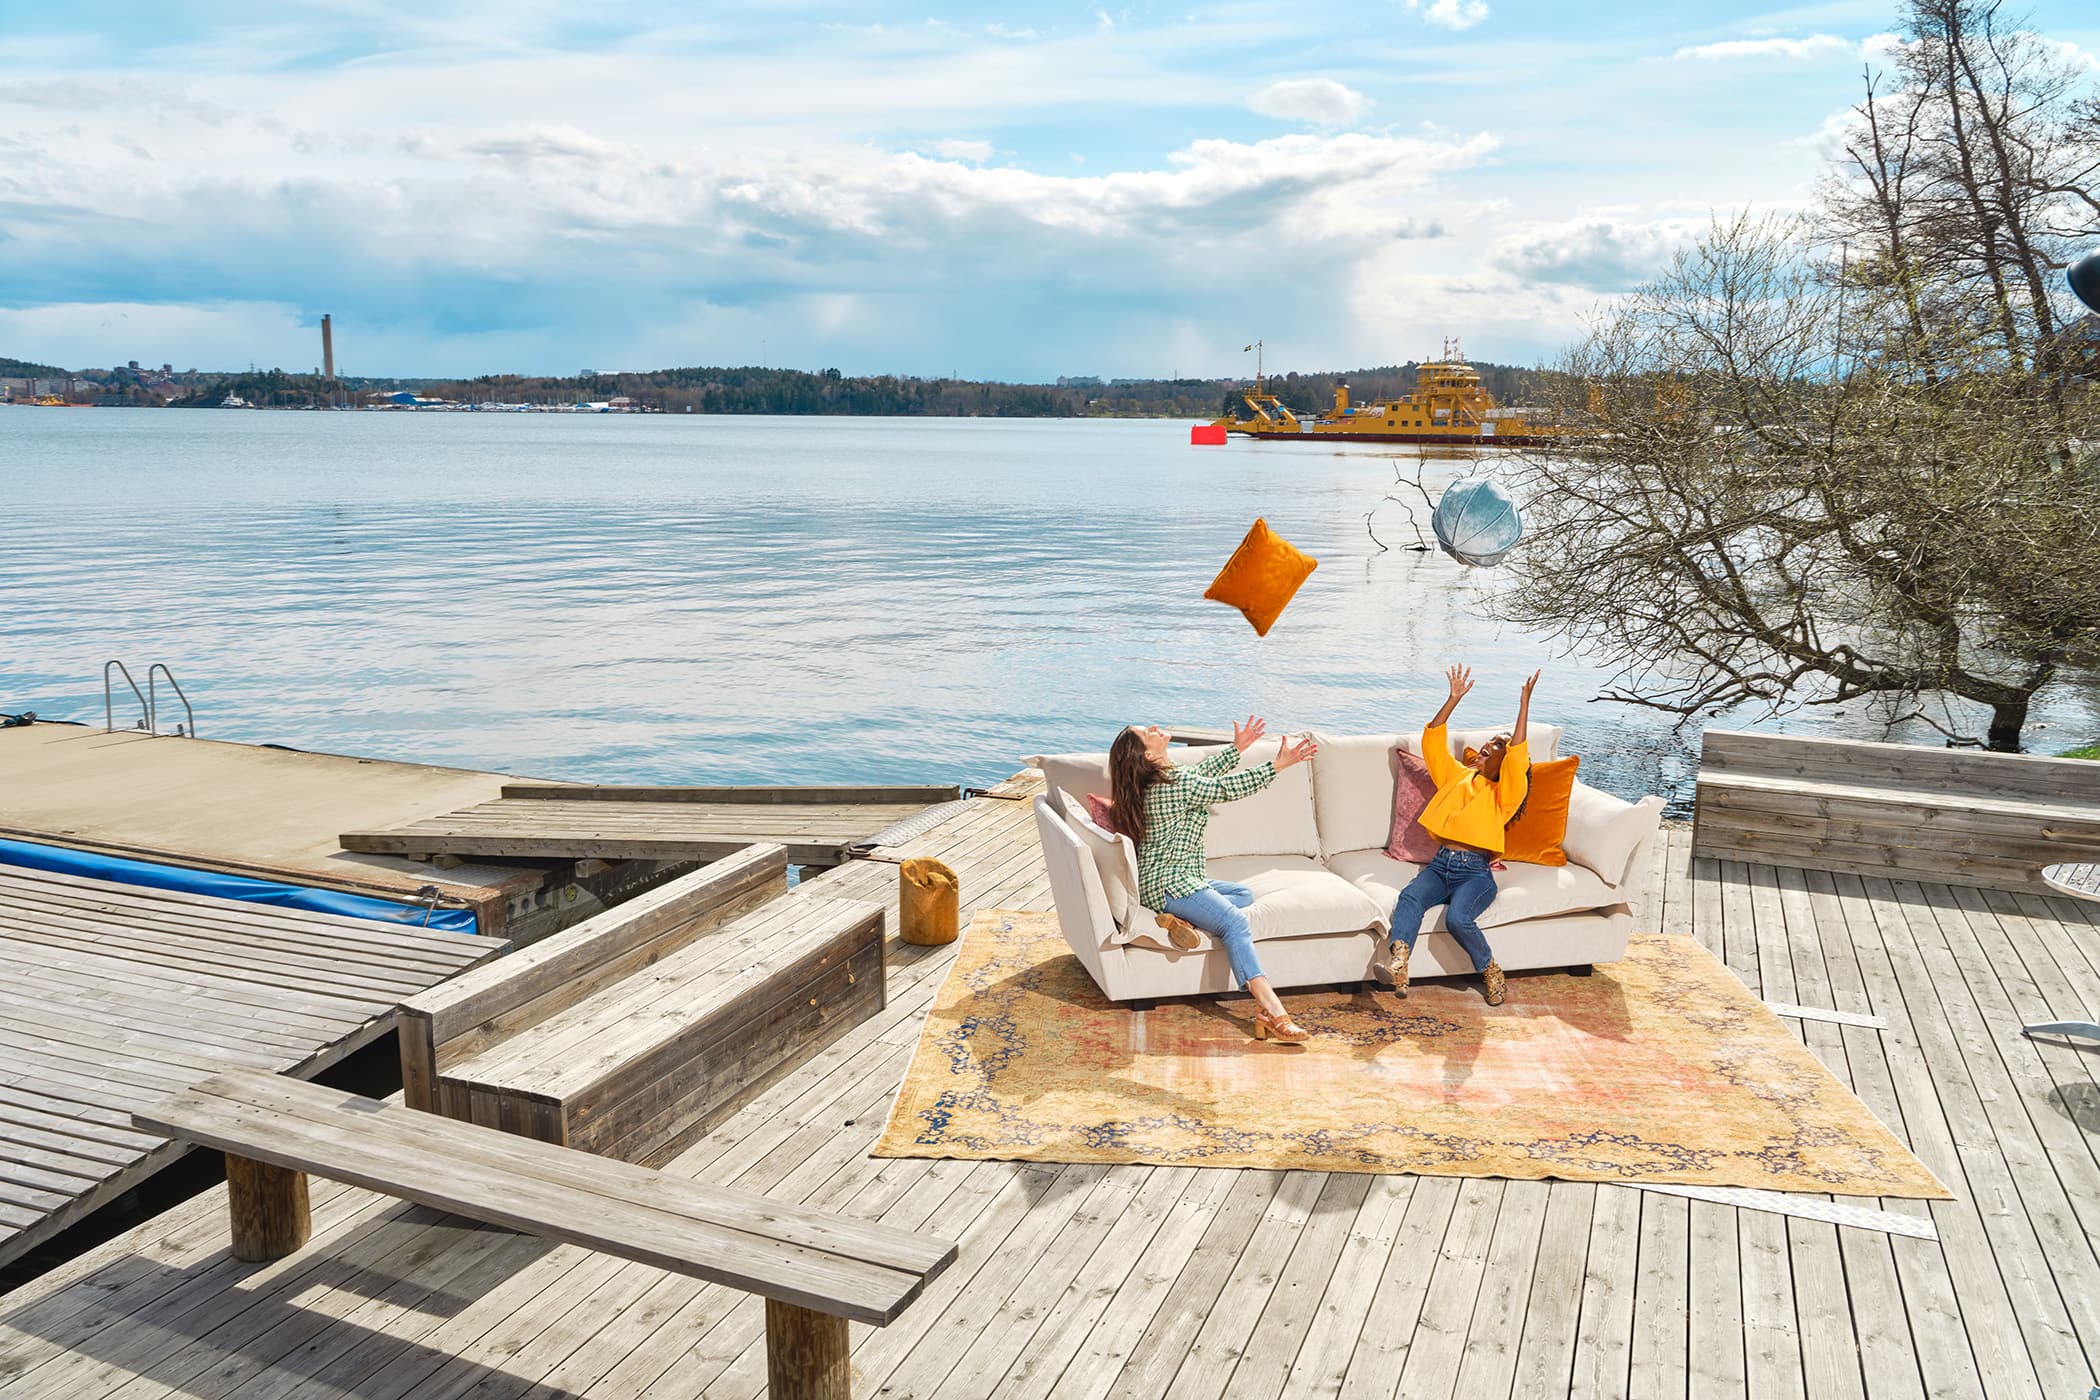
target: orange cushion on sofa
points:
(1261, 576)
(1535, 836)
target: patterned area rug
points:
(1658, 1068)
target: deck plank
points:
(1137, 1281)
(112, 995)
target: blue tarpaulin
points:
(64, 860)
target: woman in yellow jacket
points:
(1475, 801)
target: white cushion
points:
(1353, 777)
(1604, 831)
(1293, 896)
(1522, 891)
(1115, 859)
(1278, 820)
(1074, 774)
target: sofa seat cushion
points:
(1521, 891)
(1293, 896)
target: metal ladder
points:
(149, 700)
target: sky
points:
(994, 191)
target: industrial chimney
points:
(327, 351)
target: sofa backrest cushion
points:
(1115, 861)
(1277, 821)
(1074, 775)
(1353, 780)
(1604, 831)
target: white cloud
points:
(1321, 101)
(1604, 251)
(964, 150)
(1800, 50)
(2071, 53)
(1451, 14)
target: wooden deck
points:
(113, 995)
(273, 813)
(815, 833)
(1131, 1281)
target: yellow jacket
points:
(1467, 808)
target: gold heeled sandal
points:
(1180, 932)
(1491, 983)
(1281, 1029)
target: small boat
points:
(1448, 406)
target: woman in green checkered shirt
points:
(1164, 809)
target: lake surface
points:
(746, 600)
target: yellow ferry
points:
(1448, 405)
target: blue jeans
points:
(1460, 879)
(1216, 910)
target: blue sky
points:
(996, 191)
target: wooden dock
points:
(1091, 1281)
(819, 826)
(246, 809)
(111, 995)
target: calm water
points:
(678, 599)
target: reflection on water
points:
(735, 600)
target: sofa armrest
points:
(1075, 890)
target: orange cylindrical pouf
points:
(929, 902)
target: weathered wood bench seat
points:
(1954, 816)
(638, 1066)
(815, 1271)
(455, 1019)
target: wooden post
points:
(415, 1034)
(268, 1204)
(806, 1354)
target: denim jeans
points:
(1460, 879)
(1216, 910)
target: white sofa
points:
(1312, 847)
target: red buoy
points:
(1207, 435)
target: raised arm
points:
(1244, 737)
(1515, 781)
(1460, 679)
(1436, 748)
(1523, 730)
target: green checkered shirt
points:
(1177, 809)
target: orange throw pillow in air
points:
(1261, 576)
(1535, 836)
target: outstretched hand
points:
(1295, 751)
(1531, 684)
(1461, 681)
(1246, 736)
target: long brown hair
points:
(1130, 773)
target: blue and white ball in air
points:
(1477, 522)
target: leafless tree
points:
(1970, 177)
(1786, 495)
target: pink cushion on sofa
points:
(1412, 790)
(1102, 810)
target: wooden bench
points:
(453, 1020)
(815, 1271)
(640, 1066)
(1951, 816)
